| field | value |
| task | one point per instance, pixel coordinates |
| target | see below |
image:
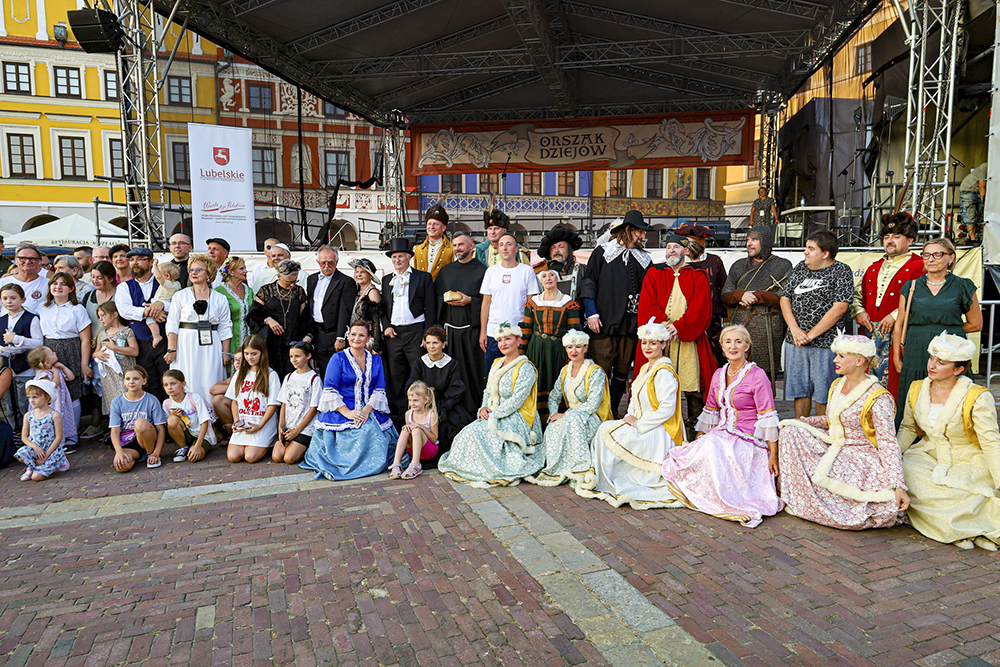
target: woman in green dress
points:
(236, 290)
(502, 445)
(942, 301)
(547, 317)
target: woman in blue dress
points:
(354, 435)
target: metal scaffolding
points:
(934, 28)
(395, 194)
(769, 106)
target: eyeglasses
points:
(22, 258)
(195, 270)
(327, 263)
(176, 243)
(267, 247)
(933, 255)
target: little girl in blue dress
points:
(44, 450)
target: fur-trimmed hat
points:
(899, 223)
(505, 329)
(863, 346)
(556, 235)
(575, 337)
(494, 217)
(653, 330)
(949, 347)
(436, 211)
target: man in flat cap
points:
(436, 250)
(712, 264)
(556, 250)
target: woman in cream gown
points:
(628, 453)
(951, 450)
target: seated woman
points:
(844, 469)
(501, 447)
(951, 450)
(729, 470)
(441, 373)
(584, 386)
(354, 436)
(628, 454)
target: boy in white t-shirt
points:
(505, 289)
(189, 419)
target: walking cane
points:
(770, 354)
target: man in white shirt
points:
(133, 298)
(32, 280)
(506, 288)
(218, 252)
(252, 278)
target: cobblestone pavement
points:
(218, 564)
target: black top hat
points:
(399, 244)
(634, 219)
(556, 235)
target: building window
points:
(110, 85)
(752, 171)
(451, 183)
(261, 97)
(531, 183)
(182, 162)
(703, 183)
(179, 90)
(654, 183)
(264, 166)
(21, 155)
(117, 158)
(331, 110)
(489, 184)
(16, 78)
(73, 157)
(567, 183)
(338, 166)
(618, 183)
(67, 81)
(864, 58)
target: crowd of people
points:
(467, 356)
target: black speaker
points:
(97, 30)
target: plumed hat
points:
(556, 235)
(365, 265)
(653, 330)
(633, 218)
(863, 346)
(494, 217)
(697, 232)
(899, 223)
(436, 211)
(949, 347)
(575, 337)
(505, 329)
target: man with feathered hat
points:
(876, 297)
(556, 250)
(436, 250)
(497, 223)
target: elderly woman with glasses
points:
(199, 329)
(278, 313)
(936, 301)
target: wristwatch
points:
(170, 352)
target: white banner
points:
(222, 185)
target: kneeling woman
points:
(628, 454)
(729, 470)
(354, 436)
(501, 447)
(584, 387)
(951, 450)
(844, 469)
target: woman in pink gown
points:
(729, 470)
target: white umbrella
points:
(69, 232)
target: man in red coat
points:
(679, 297)
(876, 298)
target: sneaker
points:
(70, 450)
(91, 432)
(64, 466)
(26, 475)
(181, 455)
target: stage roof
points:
(496, 60)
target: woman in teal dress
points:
(240, 297)
(942, 301)
(503, 444)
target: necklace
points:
(937, 284)
(731, 374)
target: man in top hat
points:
(556, 251)
(409, 300)
(436, 250)
(679, 297)
(751, 291)
(610, 295)
(712, 264)
(460, 303)
(496, 223)
(876, 297)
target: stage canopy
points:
(502, 60)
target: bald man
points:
(268, 244)
(180, 248)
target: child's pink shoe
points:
(26, 475)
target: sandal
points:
(395, 470)
(412, 471)
(150, 465)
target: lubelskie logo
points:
(221, 156)
(222, 207)
(221, 174)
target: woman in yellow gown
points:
(951, 450)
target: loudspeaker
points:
(97, 30)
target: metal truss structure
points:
(934, 49)
(769, 106)
(395, 195)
